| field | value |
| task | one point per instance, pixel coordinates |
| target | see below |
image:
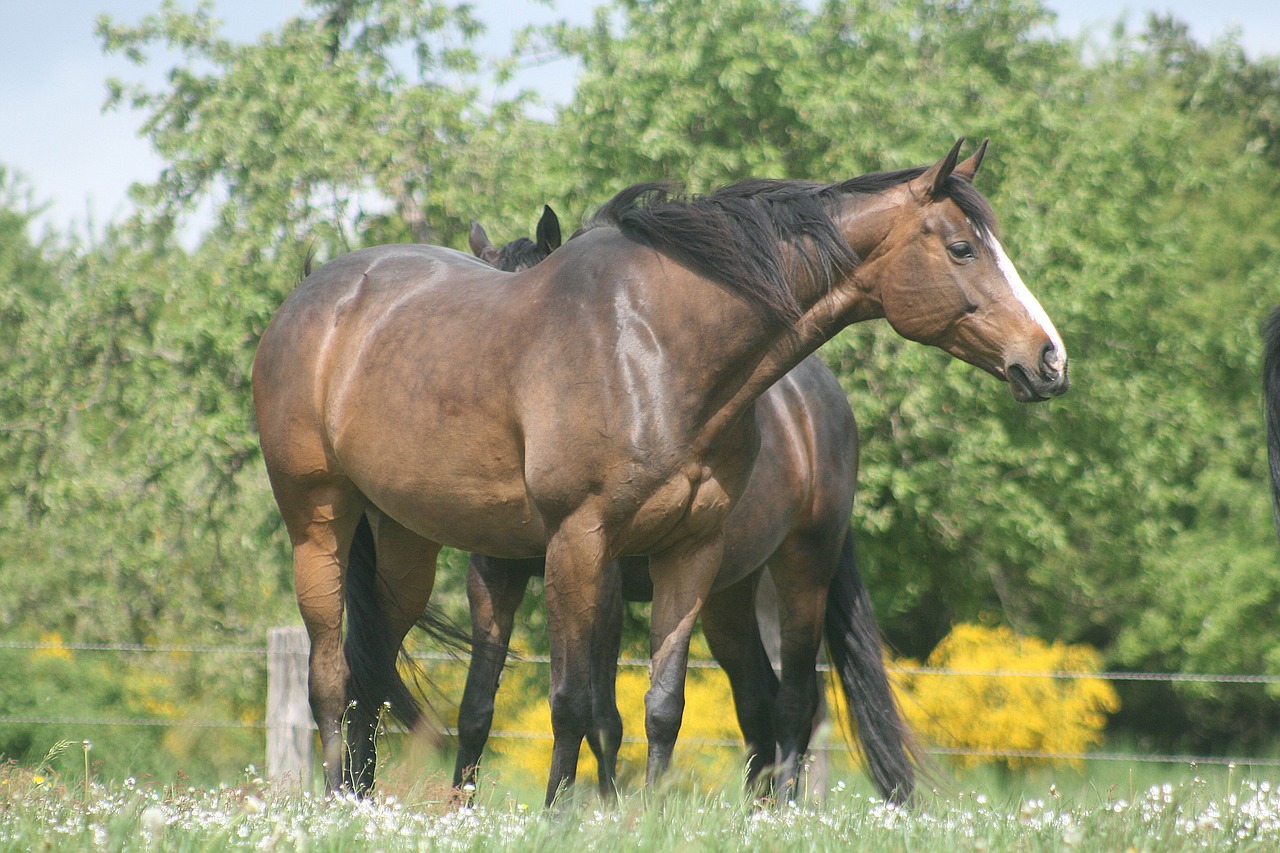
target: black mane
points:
(736, 235)
(520, 254)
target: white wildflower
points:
(153, 821)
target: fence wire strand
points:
(515, 658)
(36, 645)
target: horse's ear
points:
(479, 242)
(970, 166)
(548, 232)
(933, 183)
(478, 239)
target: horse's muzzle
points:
(1049, 378)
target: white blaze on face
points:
(1058, 360)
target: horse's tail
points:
(375, 678)
(853, 642)
(1271, 402)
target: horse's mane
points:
(520, 253)
(736, 234)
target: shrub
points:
(1006, 713)
(158, 700)
(980, 712)
(709, 748)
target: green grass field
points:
(1145, 808)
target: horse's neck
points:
(865, 221)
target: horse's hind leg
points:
(575, 562)
(800, 572)
(321, 517)
(733, 634)
(495, 588)
(605, 734)
(404, 566)
(682, 577)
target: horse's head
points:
(947, 282)
(521, 253)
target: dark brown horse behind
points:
(521, 253)
(601, 403)
(793, 519)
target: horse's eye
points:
(962, 251)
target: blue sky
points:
(81, 161)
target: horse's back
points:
(374, 372)
(324, 321)
(809, 415)
(375, 276)
(821, 400)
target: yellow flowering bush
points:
(52, 647)
(1005, 713)
(709, 749)
(1001, 712)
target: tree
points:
(310, 140)
(305, 135)
(31, 273)
(1067, 519)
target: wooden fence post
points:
(289, 723)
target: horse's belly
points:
(467, 501)
(497, 522)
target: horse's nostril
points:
(1050, 361)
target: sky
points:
(80, 161)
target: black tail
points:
(1271, 402)
(853, 642)
(370, 656)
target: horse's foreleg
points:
(605, 734)
(733, 634)
(495, 588)
(575, 561)
(682, 577)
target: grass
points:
(1163, 808)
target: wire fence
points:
(543, 660)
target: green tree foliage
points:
(305, 135)
(1136, 195)
(31, 271)
(1121, 197)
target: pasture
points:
(1221, 808)
(155, 476)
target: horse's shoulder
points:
(809, 400)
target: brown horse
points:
(792, 517)
(608, 410)
(521, 253)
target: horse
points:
(793, 518)
(1271, 403)
(607, 406)
(521, 253)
